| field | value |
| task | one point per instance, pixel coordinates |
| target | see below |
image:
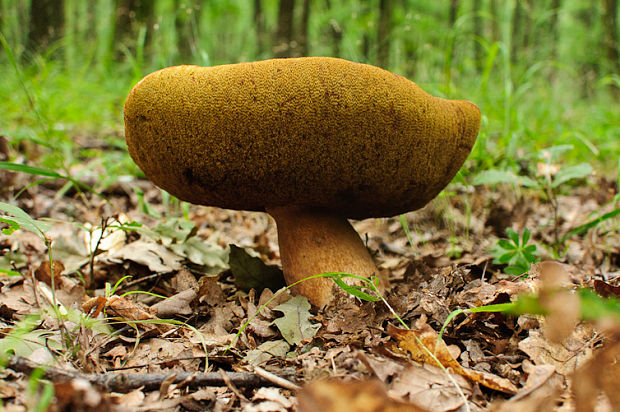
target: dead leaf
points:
(178, 304)
(266, 351)
(269, 400)
(209, 291)
(44, 273)
(129, 311)
(93, 306)
(605, 289)
(430, 387)
(418, 343)
(152, 255)
(184, 280)
(540, 392)
(250, 272)
(333, 396)
(565, 356)
(79, 395)
(383, 368)
(134, 398)
(599, 374)
(295, 325)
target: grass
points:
(78, 86)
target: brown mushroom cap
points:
(320, 133)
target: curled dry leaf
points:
(178, 304)
(333, 396)
(184, 280)
(129, 311)
(418, 343)
(209, 291)
(44, 273)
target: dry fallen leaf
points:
(418, 343)
(564, 356)
(129, 311)
(153, 255)
(430, 387)
(332, 396)
(295, 325)
(44, 273)
(178, 304)
(79, 395)
(269, 400)
(540, 392)
(599, 374)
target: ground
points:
(356, 356)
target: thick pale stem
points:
(314, 242)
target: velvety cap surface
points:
(316, 131)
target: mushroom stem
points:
(314, 242)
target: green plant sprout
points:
(592, 307)
(516, 252)
(550, 176)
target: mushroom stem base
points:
(314, 242)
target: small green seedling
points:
(516, 252)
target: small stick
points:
(125, 382)
(275, 379)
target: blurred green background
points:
(544, 73)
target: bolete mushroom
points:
(312, 141)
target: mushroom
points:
(312, 141)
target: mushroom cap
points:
(316, 132)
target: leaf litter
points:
(354, 356)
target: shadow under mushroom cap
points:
(317, 132)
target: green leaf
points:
(295, 325)
(550, 154)
(573, 172)
(526, 237)
(33, 170)
(592, 223)
(13, 225)
(24, 221)
(202, 253)
(527, 182)
(355, 290)
(493, 177)
(506, 257)
(506, 245)
(531, 258)
(514, 236)
(595, 307)
(252, 273)
(10, 272)
(515, 270)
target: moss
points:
(316, 132)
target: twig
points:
(275, 379)
(125, 382)
(232, 386)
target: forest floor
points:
(124, 357)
